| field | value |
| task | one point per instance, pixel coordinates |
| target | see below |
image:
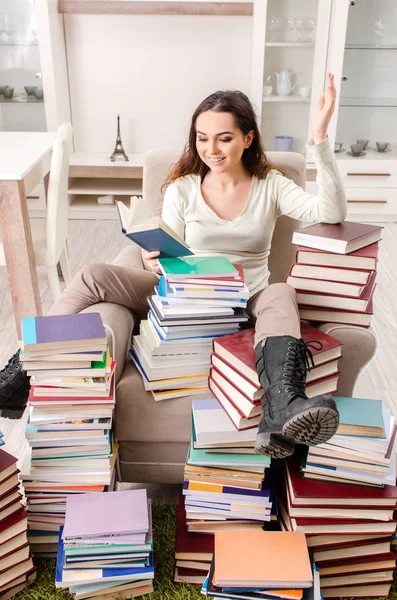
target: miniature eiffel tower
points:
(118, 149)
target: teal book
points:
(360, 416)
(199, 457)
(197, 266)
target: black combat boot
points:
(288, 415)
(14, 389)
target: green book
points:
(199, 457)
(360, 416)
(197, 266)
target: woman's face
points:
(219, 142)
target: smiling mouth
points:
(216, 161)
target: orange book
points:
(269, 559)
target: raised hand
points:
(326, 106)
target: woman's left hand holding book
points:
(150, 259)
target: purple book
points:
(63, 331)
(109, 514)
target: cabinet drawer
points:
(368, 173)
(36, 198)
(371, 201)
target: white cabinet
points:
(363, 53)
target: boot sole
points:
(312, 426)
(12, 413)
(273, 445)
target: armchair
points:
(153, 436)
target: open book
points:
(151, 233)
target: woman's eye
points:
(202, 140)
(225, 140)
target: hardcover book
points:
(187, 545)
(152, 234)
(341, 238)
(366, 258)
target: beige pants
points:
(274, 310)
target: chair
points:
(154, 436)
(49, 235)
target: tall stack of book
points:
(226, 488)
(335, 272)
(16, 570)
(349, 527)
(105, 547)
(234, 379)
(261, 564)
(197, 300)
(70, 418)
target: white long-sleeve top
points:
(247, 238)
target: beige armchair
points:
(154, 436)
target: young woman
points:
(223, 197)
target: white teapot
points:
(284, 85)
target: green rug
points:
(164, 527)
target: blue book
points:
(360, 416)
(85, 576)
(152, 234)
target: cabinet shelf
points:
(97, 186)
(158, 7)
(368, 102)
(275, 98)
(21, 100)
(19, 45)
(371, 47)
(290, 44)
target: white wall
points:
(153, 71)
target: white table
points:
(25, 158)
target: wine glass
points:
(311, 26)
(299, 28)
(379, 29)
(274, 28)
(290, 27)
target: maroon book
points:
(237, 349)
(14, 525)
(341, 238)
(8, 465)
(313, 299)
(189, 546)
(304, 492)
(364, 259)
(366, 562)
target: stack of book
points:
(334, 272)
(234, 379)
(226, 487)
(16, 570)
(197, 300)
(71, 405)
(261, 564)
(349, 527)
(105, 547)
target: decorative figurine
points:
(118, 149)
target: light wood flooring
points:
(100, 241)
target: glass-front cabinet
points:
(21, 89)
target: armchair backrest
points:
(157, 166)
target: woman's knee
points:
(283, 289)
(92, 273)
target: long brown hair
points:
(234, 102)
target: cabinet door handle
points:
(32, 197)
(367, 201)
(368, 174)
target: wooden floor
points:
(100, 241)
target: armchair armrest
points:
(359, 345)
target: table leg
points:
(18, 250)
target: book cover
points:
(188, 545)
(365, 258)
(341, 238)
(327, 315)
(360, 416)
(91, 515)
(60, 330)
(213, 426)
(242, 558)
(197, 266)
(313, 299)
(7, 465)
(330, 274)
(240, 422)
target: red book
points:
(11, 509)
(365, 258)
(328, 315)
(242, 404)
(192, 576)
(239, 421)
(8, 465)
(189, 546)
(14, 525)
(9, 485)
(330, 274)
(360, 564)
(337, 554)
(313, 299)
(325, 286)
(341, 238)
(237, 349)
(304, 492)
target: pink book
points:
(106, 515)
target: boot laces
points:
(298, 361)
(11, 367)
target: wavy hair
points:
(254, 158)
